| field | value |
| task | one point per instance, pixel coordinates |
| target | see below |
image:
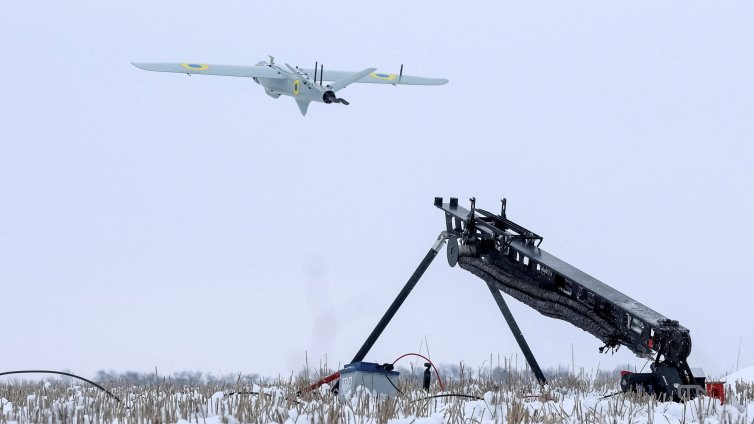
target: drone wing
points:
(377, 77)
(224, 70)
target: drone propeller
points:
(329, 97)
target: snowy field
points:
(469, 399)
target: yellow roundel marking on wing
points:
(295, 87)
(195, 66)
(379, 75)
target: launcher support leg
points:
(401, 297)
(517, 334)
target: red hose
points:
(439, 381)
(325, 380)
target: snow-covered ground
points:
(569, 400)
(745, 375)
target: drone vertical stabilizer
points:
(303, 105)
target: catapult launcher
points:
(508, 258)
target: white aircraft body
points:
(304, 85)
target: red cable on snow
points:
(439, 381)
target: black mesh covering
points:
(546, 302)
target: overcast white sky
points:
(155, 220)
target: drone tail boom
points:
(345, 82)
